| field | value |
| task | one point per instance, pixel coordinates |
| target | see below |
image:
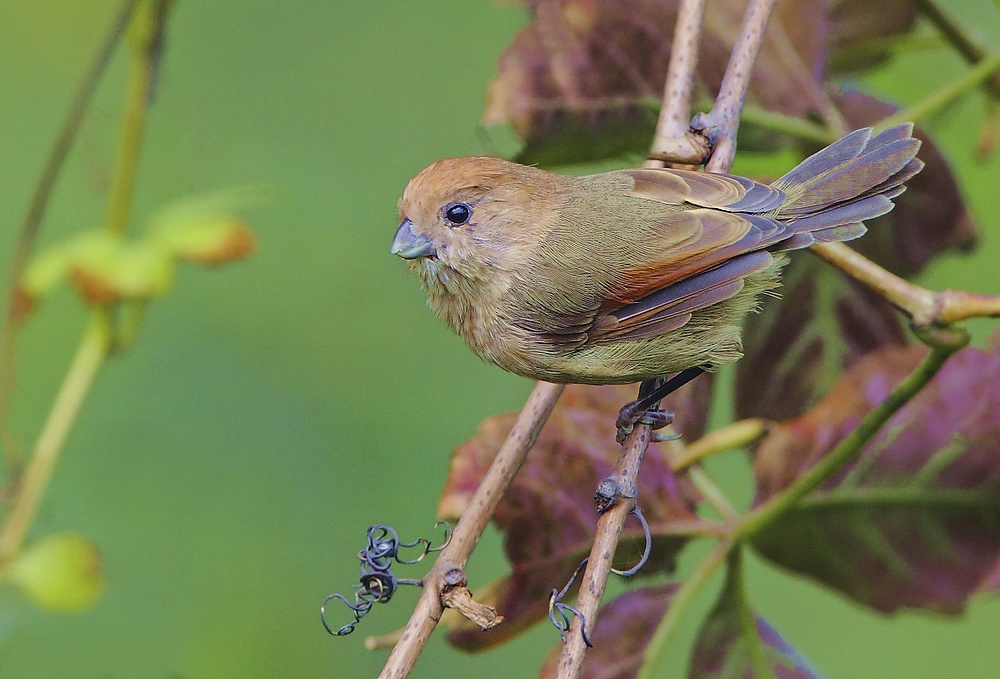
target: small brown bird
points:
(633, 274)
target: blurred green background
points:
(228, 465)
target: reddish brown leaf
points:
(915, 522)
(992, 581)
(584, 79)
(797, 346)
(469, 462)
(548, 516)
(624, 628)
(722, 649)
(22, 304)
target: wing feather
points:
(671, 307)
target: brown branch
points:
(33, 220)
(469, 528)
(924, 307)
(674, 141)
(672, 137)
(722, 122)
(456, 595)
(609, 527)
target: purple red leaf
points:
(915, 521)
(861, 32)
(795, 348)
(584, 79)
(547, 516)
(624, 629)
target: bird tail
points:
(830, 194)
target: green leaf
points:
(207, 240)
(206, 229)
(105, 269)
(59, 572)
(46, 270)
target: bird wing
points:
(724, 234)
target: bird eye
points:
(458, 213)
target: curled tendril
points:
(378, 583)
(360, 610)
(560, 613)
(645, 553)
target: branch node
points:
(945, 337)
(690, 149)
(455, 594)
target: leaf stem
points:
(145, 37)
(959, 38)
(734, 435)
(79, 378)
(96, 342)
(36, 211)
(679, 604)
(713, 494)
(737, 588)
(946, 95)
(795, 127)
(846, 57)
(851, 446)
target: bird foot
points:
(632, 414)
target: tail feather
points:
(845, 213)
(842, 232)
(830, 193)
(818, 164)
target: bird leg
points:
(644, 409)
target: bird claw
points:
(630, 415)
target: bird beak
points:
(410, 245)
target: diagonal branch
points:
(673, 138)
(721, 123)
(609, 527)
(470, 527)
(952, 91)
(924, 307)
(719, 128)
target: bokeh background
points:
(228, 464)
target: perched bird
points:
(632, 274)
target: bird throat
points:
(459, 301)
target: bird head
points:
(469, 217)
